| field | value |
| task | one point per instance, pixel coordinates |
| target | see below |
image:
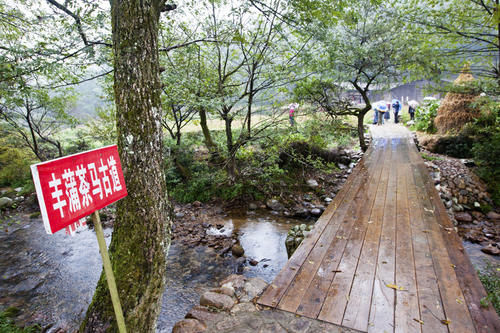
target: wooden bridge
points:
(384, 256)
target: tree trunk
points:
(141, 235)
(230, 162)
(206, 131)
(361, 131)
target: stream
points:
(51, 278)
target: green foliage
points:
(424, 117)
(486, 147)
(490, 277)
(14, 166)
(7, 324)
(430, 158)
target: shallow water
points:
(51, 278)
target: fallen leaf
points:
(459, 301)
(393, 286)
(421, 322)
(429, 210)
(446, 321)
(384, 262)
(293, 268)
(347, 297)
(370, 222)
(428, 231)
(336, 271)
(453, 266)
(311, 262)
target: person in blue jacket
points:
(396, 106)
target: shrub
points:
(14, 167)
(425, 115)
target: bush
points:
(14, 167)
(424, 117)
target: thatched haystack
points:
(455, 110)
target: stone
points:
(18, 189)
(243, 307)
(253, 288)
(189, 326)
(491, 249)
(493, 216)
(253, 262)
(312, 183)
(316, 212)
(219, 301)
(252, 206)
(328, 200)
(202, 314)
(342, 166)
(179, 215)
(237, 250)
(227, 289)
(477, 204)
(236, 281)
(6, 202)
(463, 217)
(274, 204)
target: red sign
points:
(72, 187)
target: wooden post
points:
(109, 272)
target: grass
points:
(490, 277)
(7, 324)
(430, 158)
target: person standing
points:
(411, 111)
(291, 113)
(396, 106)
(387, 113)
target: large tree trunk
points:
(361, 131)
(230, 161)
(141, 235)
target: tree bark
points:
(141, 235)
(206, 131)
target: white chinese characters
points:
(77, 189)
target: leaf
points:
(446, 321)
(459, 301)
(427, 231)
(421, 322)
(395, 287)
(311, 262)
(429, 210)
(453, 266)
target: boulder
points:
(6, 202)
(201, 314)
(189, 326)
(227, 289)
(252, 206)
(219, 301)
(253, 288)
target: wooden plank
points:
(338, 229)
(407, 306)
(455, 309)
(275, 291)
(429, 298)
(485, 319)
(357, 310)
(312, 303)
(382, 306)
